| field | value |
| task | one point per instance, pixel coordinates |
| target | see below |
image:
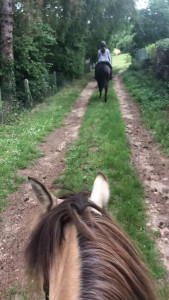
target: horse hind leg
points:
(100, 91)
(106, 90)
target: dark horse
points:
(102, 75)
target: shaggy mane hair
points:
(111, 268)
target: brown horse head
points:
(79, 252)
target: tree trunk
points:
(8, 78)
(39, 9)
(7, 21)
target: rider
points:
(104, 56)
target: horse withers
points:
(102, 75)
(77, 251)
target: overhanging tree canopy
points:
(59, 34)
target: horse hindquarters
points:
(102, 76)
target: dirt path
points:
(153, 167)
(18, 217)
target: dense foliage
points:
(151, 52)
(146, 27)
(58, 35)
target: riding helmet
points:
(103, 43)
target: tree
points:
(123, 40)
(7, 29)
(7, 59)
(151, 24)
(57, 35)
(33, 41)
(105, 18)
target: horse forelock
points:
(110, 267)
(49, 234)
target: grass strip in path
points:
(102, 145)
(18, 141)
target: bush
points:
(163, 44)
(30, 53)
(161, 60)
(153, 96)
(149, 91)
(135, 65)
(151, 52)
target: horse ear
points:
(46, 199)
(100, 192)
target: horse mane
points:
(111, 267)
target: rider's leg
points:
(111, 70)
(111, 73)
(95, 70)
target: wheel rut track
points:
(152, 166)
(17, 218)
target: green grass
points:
(153, 97)
(18, 141)
(13, 291)
(121, 62)
(102, 145)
